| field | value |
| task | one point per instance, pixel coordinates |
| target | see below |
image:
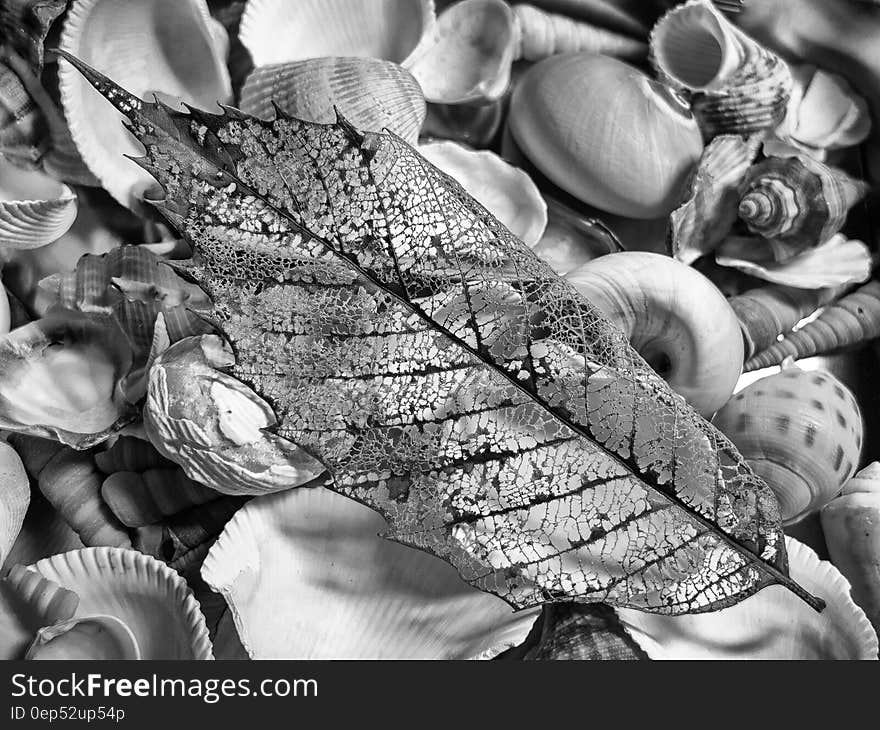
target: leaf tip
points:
(347, 127)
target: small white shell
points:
(15, 496)
(307, 577)
(505, 191)
(772, 624)
(87, 637)
(168, 47)
(276, 31)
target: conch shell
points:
(214, 426)
(276, 31)
(797, 202)
(129, 41)
(674, 317)
(801, 432)
(382, 600)
(15, 496)
(370, 93)
(852, 532)
(736, 86)
(852, 319)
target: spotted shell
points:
(801, 432)
(797, 200)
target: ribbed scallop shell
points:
(736, 85)
(307, 577)
(147, 596)
(801, 432)
(87, 637)
(797, 200)
(370, 93)
(15, 496)
(276, 31)
(168, 47)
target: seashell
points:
(370, 93)
(277, 31)
(467, 54)
(505, 191)
(144, 498)
(129, 453)
(674, 317)
(824, 113)
(87, 637)
(474, 124)
(24, 25)
(15, 496)
(541, 34)
(130, 43)
(851, 524)
(213, 425)
(575, 118)
(801, 432)
(767, 312)
(5, 311)
(768, 625)
(72, 484)
(797, 201)
(736, 85)
(625, 17)
(23, 132)
(44, 601)
(384, 600)
(851, 320)
(34, 209)
(570, 240)
(836, 262)
(710, 209)
(145, 595)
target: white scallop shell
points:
(85, 637)
(306, 576)
(276, 31)
(167, 47)
(772, 624)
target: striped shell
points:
(736, 86)
(801, 432)
(797, 201)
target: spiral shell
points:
(797, 201)
(801, 432)
(736, 86)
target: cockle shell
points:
(797, 201)
(736, 85)
(276, 31)
(852, 319)
(772, 624)
(34, 209)
(61, 378)
(89, 637)
(606, 133)
(214, 426)
(467, 55)
(307, 577)
(144, 594)
(851, 523)
(505, 191)
(674, 317)
(370, 93)
(15, 496)
(167, 47)
(801, 432)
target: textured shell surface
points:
(86, 637)
(307, 576)
(23, 131)
(166, 47)
(576, 116)
(370, 93)
(768, 625)
(801, 432)
(148, 597)
(735, 84)
(276, 31)
(505, 191)
(15, 496)
(44, 601)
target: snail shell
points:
(801, 432)
(797, 200)
(674, 317)
(606, 133)
(736, 85)
(851, 523)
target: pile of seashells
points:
(695, 172)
